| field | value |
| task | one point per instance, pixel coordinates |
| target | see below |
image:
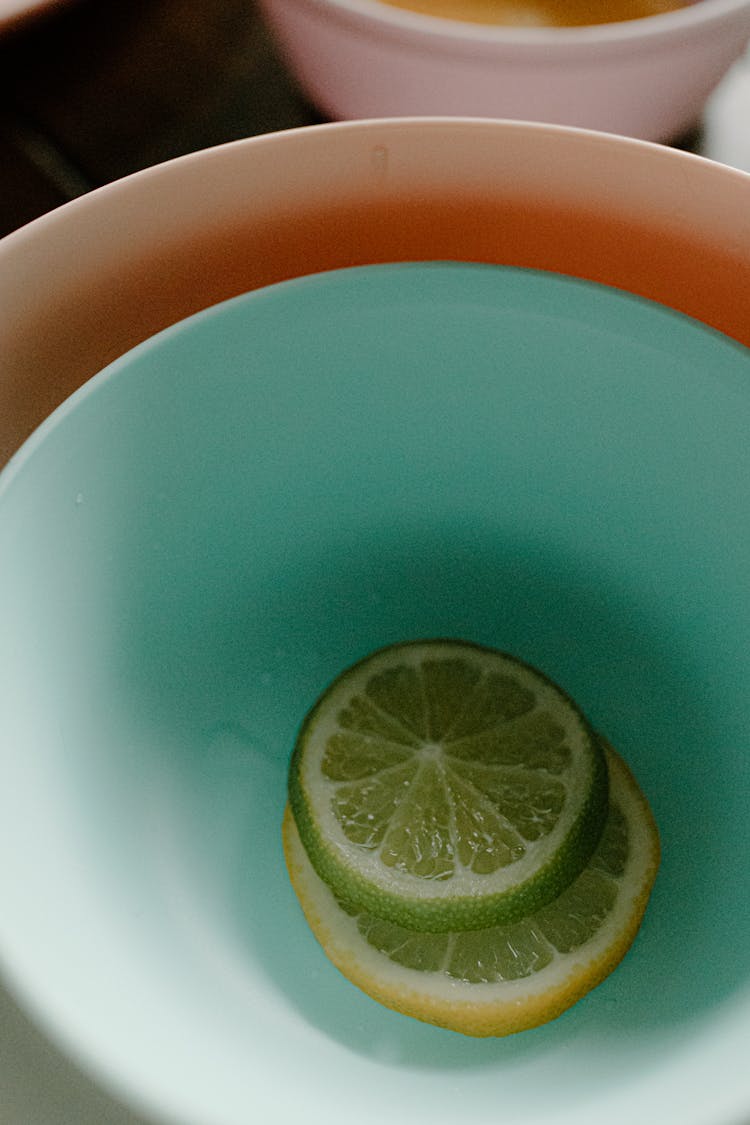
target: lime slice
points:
(507, 978)
(444, 786)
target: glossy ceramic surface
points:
(205, 534)
(646, 78)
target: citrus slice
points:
(445, 786)
(508, 978)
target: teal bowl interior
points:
(205, 534)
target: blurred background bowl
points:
(646, 78)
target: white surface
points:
(38, 1085)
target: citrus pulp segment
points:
(445, 786)
(503, 979)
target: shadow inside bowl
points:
(606, 644)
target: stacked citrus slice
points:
(463, 845)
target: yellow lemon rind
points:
(496, 1009)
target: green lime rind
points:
(464, 912)
(394, 900)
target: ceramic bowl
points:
(162, 631)
(199, 540)
(646, 78)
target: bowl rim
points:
(111, 230)
(693, 18)
(135, 186)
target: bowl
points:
(646, 78)
(207, 532)
(180, 238)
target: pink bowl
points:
(85, 283)
(646, 78)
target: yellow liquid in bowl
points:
(541, 13)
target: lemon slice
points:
(503, 979)
(445, 786)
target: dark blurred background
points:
(91, 90)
